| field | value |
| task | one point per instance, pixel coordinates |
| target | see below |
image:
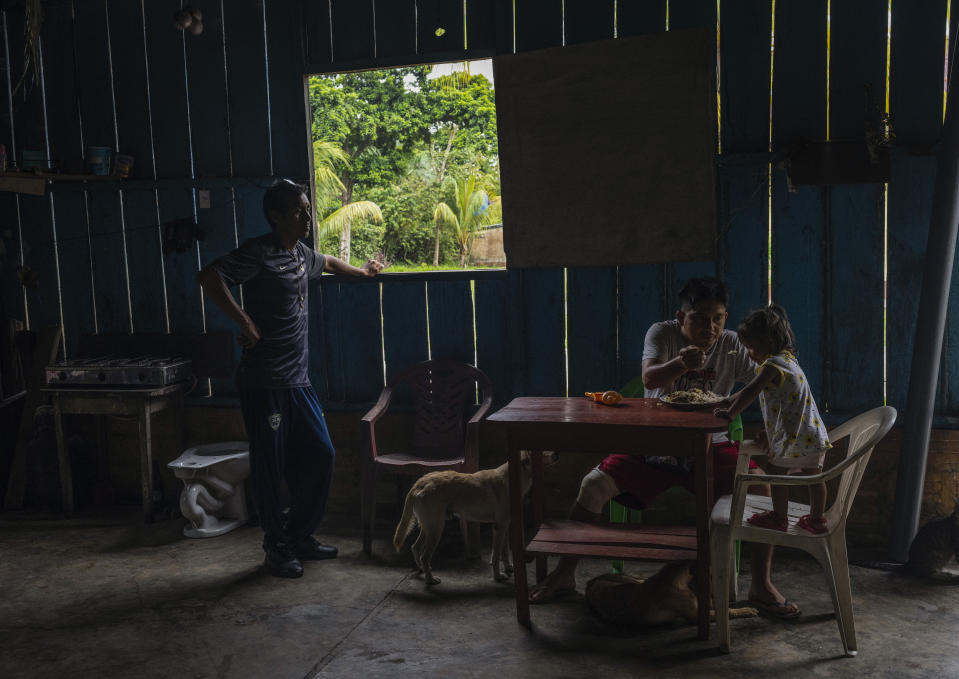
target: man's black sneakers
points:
(281, 561)
(309, 549)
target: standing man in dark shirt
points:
(283, 416)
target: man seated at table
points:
(691, 351)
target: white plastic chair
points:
(864, 432)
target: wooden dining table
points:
(642, 426)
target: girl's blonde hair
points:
(770, 324)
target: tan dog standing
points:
(482, 497)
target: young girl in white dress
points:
(794, 434)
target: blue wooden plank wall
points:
(225, 111)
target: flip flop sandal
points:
(806, 522)
(555, 595)
(784, 611)
(770, 520)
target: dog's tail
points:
(407, 521)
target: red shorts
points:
(642, 483)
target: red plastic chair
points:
(445, 434)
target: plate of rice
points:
(692, 399)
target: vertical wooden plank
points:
(326, 357)
(319, 50)
(60, 86)
(292, 155)
(44, 296)
(745, 30)
(352, 30)
(246, 71)
(129, 82)
(361, 348)
(404, 325)
(799, 73)
(128, 55)
(395, 28)
(855, 352)
(75, 280)
(183, 293)
(799, 261)
(643, 302)
(11, 292)
(539, 24)
(743, 209)
(95, 93)
(909, 212)
(492, 347)
(109, 265)
(438, 16)
(220, 238)
(481, 25)
(542, 305)
(167, 90)
(209, 120)
(146, 255)
(250, 220)
(93, 75)
(641, 17)
(451, 320)
(591, 308)
(28, 115)
(691, 14)
(916, 70)
(858, 59)
(587, 20)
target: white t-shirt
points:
(720, 372)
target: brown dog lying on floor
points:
(664, 597)
(482, 497)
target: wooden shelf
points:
(615, 541)
(35, 183)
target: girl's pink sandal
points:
(806, 522)
(770, 520)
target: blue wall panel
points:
(592, 306)
(539, 24)
(246, 73)
(799, 237)
(916, 64)
(292, 155)
(910, 208)
(588, 20)
(43, 297)
(691, 14)
(858, 58)
(144, 252)
(171, 134)
(352, 30)
(799, 72)
(404, 325)
(492, 349)
(544, 356)
(743, 236)
(642, 302)
(395, 28)
(855, 351)
(361, 349)
(640, 18)
(451, 320)
(75, 281)
(744, 38)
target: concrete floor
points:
(103, 595)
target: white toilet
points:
(213, 498)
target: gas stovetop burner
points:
(127, 371)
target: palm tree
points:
(474, 208)
(328, 157)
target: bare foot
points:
(771, 602)
(557, 584)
